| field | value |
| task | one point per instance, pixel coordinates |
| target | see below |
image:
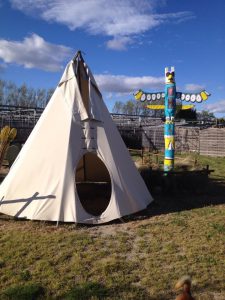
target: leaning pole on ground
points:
(169, 97)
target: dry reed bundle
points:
(7, 135)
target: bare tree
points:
(118, 107)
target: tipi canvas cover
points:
(73, 139)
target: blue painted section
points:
(169, 129)
(169, 154)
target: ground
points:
(139, 257)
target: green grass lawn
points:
(141, 258)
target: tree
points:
(2, 87)
(205, 115)
(31, 95)
(187, 114)
(133, 107)
(128, 108)
(220, 121)
(41, 97)
(48, 95)
(118, 107)
(11, 94)
(146, 111)
(138, 107)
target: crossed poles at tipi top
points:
(169, 96)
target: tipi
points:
(75, 141)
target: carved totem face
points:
(170, 77)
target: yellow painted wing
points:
(184, 107)
(204, 95)
(155, 106)
(138, 95)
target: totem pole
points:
(170, 110)
(169, 96)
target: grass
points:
(141, 258)
(192, 161)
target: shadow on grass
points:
(86, 291)
(180, 192)
(173, 193)
(29, 291)
(94, 290)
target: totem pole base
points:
(168, 165)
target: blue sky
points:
(127, 44)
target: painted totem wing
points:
(145, 96)
(158, 107)
(184, 107)
(155, 106)
(195, 97)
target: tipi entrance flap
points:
(93, 184)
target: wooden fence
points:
(212, 142)
(206, 141)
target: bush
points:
(24, 292)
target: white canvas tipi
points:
(74, 146)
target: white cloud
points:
(217, 107)
(126, 84)
(115, 18)
(195, 88)
(34, 52)
(119, 43)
